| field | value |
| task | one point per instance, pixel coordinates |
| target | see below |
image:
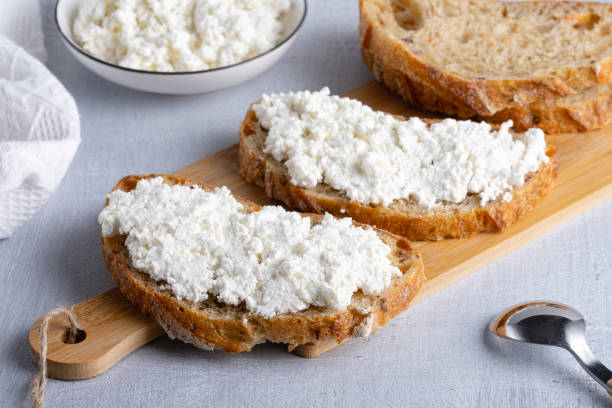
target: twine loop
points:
(37, 387)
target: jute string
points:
(37, 387)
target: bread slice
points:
(588, 110)
(543, 64)
(404, 217)
(211, 324)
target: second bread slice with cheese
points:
(405, 216)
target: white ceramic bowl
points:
(179, 83)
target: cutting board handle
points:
(111, 329)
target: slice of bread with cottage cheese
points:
(219, 271)
(425, 181)
(545, 64)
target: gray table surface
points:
(436, 354)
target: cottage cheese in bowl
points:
(179, 35)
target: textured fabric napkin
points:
(39, 121)
(20, 22)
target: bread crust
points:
(232, 329)
(528, 101)
(452, 221)
(560, 115)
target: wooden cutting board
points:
(113, 328)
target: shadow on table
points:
(177, 350)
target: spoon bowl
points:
(552, 324)
(544, 323)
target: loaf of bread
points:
(544, 64)
(211, 324)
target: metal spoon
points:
(552, 324)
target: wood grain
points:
(114, 328)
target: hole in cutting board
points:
(80, 336)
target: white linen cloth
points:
(20, 22)
(39, 121)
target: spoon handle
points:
(600, 373)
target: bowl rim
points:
(175, 73)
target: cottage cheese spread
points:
(204, 243)
(178, 35)
(374, 158)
